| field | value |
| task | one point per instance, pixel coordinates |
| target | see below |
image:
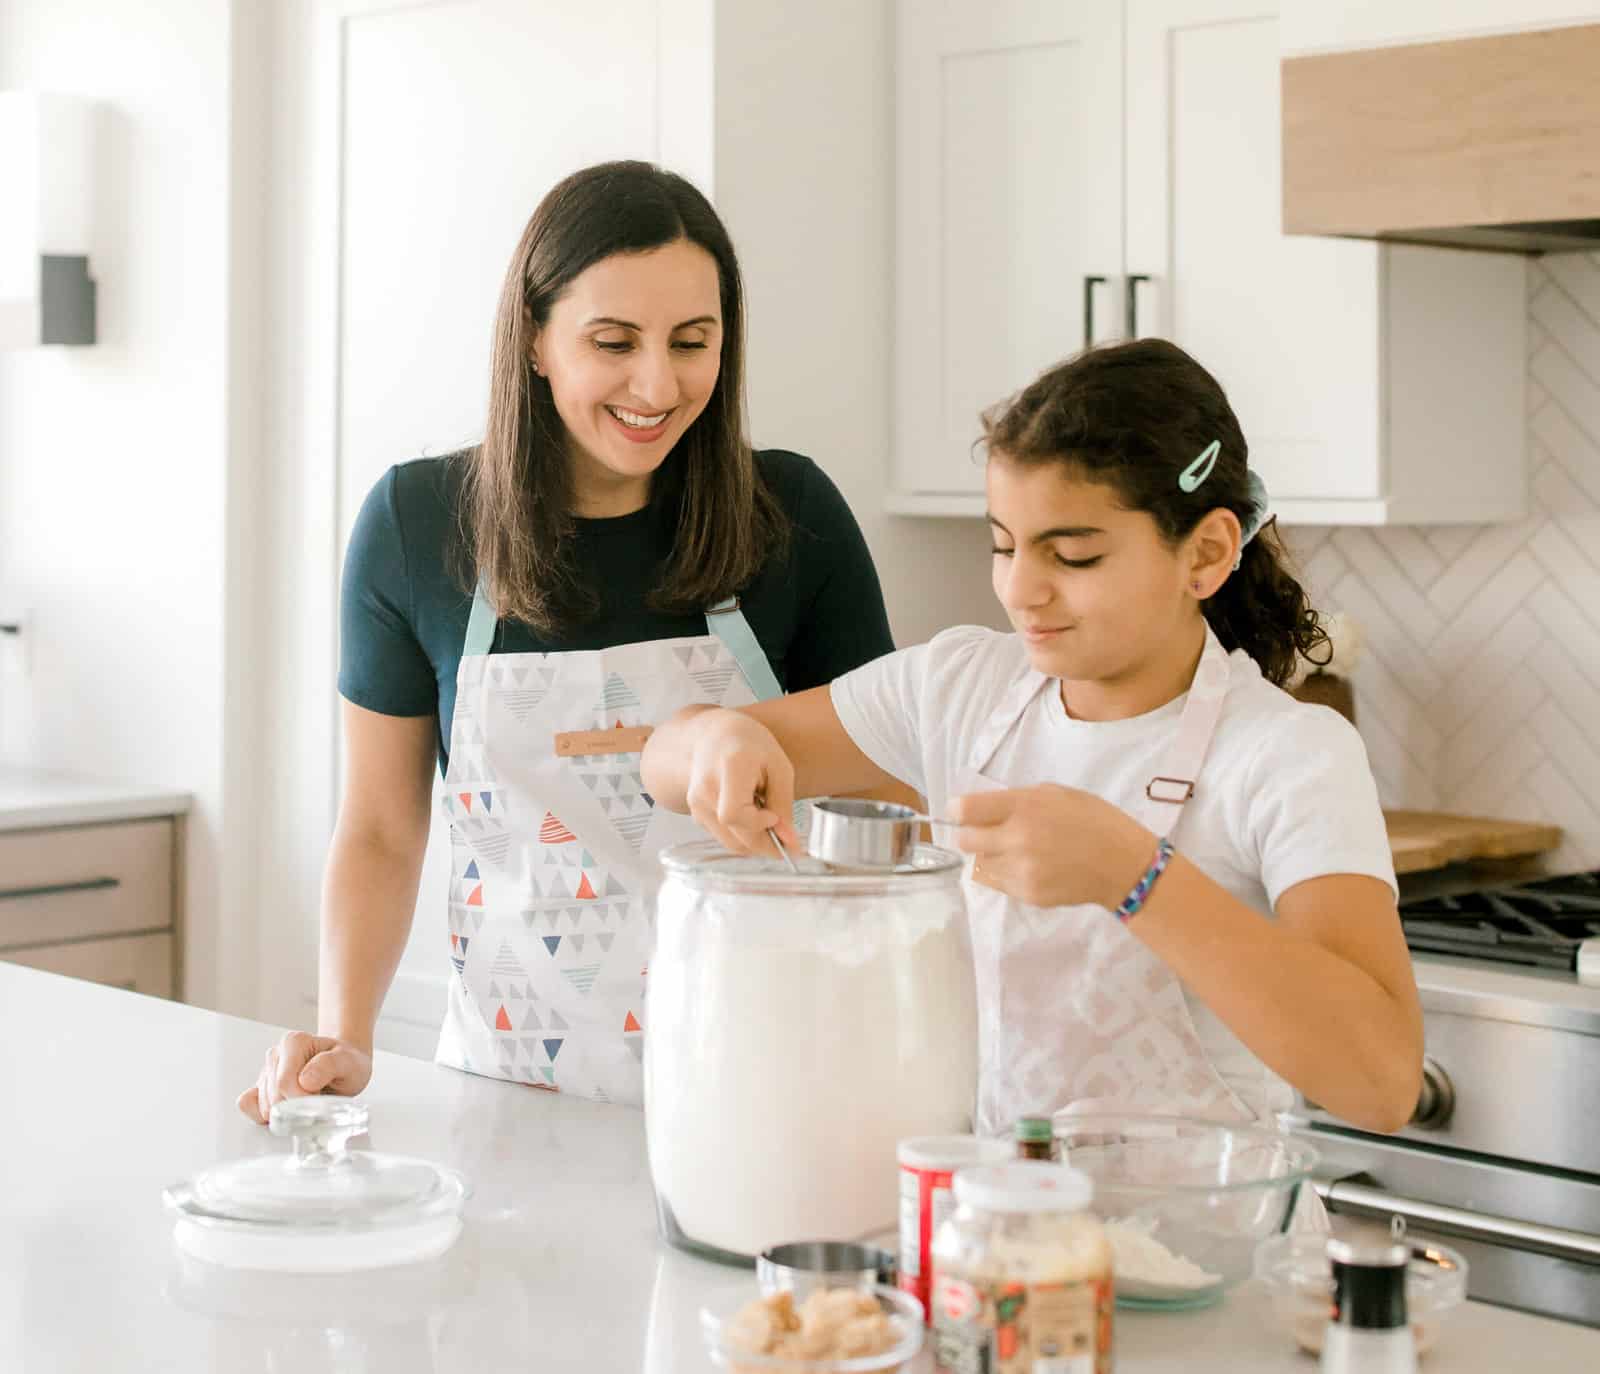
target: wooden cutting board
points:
(1430, 839)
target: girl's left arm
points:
(1324, 995)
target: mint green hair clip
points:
(1197, 472)
(1193, 476)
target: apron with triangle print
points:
(554, 843)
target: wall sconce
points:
(46, 159)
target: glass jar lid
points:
(706, 865)
(322, 1185)
(1027, 1185)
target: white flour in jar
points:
(791, 1043)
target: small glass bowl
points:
(1294, 1269)
(905, 1317)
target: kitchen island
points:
(109, 1096)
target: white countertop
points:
(31, 800)
(110, 1096)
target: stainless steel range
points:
(1502, 1158)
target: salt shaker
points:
(1368, 1329)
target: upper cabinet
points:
(1080, 172)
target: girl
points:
(1155, 625)
(523, 612)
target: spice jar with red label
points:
(1022, 1274)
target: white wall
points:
(114, 460)
(804, 178)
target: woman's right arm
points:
(714, 763)
(369, 893)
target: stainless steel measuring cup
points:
(848, 832)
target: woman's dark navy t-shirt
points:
(818, 611)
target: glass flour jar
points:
(1022, 1274)
(797, 1027)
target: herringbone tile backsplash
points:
(1478, 689)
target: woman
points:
(524, 611)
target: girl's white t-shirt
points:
(1285, 793)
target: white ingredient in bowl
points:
(1144, 1267)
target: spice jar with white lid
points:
(1022, 1274)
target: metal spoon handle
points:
(782, 852)
(761, 800)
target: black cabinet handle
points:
(1089, 284)
(1130, 314)
(9, 894)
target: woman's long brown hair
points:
(516, 519)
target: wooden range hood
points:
(1489, 143)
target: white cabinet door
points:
(1008, 201)
(1290, 326)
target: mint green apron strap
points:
(480, 625)
(726, 621)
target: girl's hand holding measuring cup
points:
(1051, 846)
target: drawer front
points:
(139, 963)
(83, 881)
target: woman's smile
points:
(638, 427)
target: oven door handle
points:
(1358, 1199)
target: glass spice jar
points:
(1022, 1274)
(1036, 1138)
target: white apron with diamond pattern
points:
(553, 871)
(1119, 1033)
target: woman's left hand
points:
(1052, 846)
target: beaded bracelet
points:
(1136, 899)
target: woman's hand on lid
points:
(302, 1064)
(1052, 846)
(741, 783)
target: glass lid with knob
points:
(322, 1205)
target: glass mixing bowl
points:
(1186, 1202)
